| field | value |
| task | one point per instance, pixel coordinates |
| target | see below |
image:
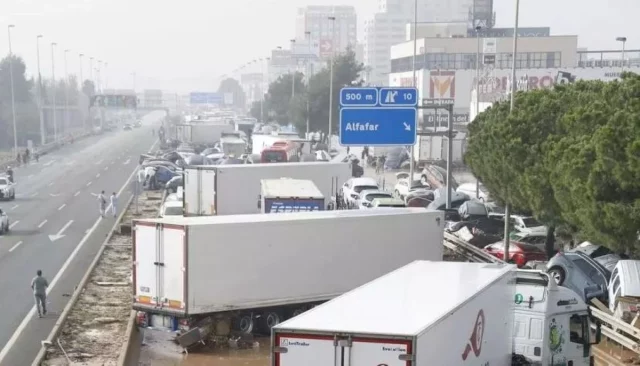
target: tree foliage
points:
(311, 96)
(230, 85)
(570, 155)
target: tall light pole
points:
(13, 96)
(91, 74)
(133, 74)
(67, 119)
(105, 75)
(624, 42)
(98, 81)
(53, 83)
(81, 83)
(415, 84)
(43, 137)
(333, 28)
(262, 82)
(293, 73)
(307, 71)
(507, 208)
(478, 28)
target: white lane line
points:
(31, 314)
(49, 163)
(34, 194)
(30, 176)
(50, 184)
(126, 162)
(98, 175)
(42, 224)
(13, 224)
(14, 207)
(61, 207)
(99, 162)
(88, 184)
(60, 233)
(15, 246)
(76, 194)
(106, 168)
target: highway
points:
(56, 227)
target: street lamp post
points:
(415, 85)
(13, 97)
(262, 82)
(133, 74)
(106, 75)
(81, 83)
(478, 28)
(507, 206)
(308, 72)
(91, 74)
(293, 73)
(43, 136)
(98, 81)
(624, 42)
(53, 83)
(67, 119)
(333, 28)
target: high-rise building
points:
(315, 20)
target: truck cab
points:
(551, 323)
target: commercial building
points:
(388, 27)
(313, 22)
(446, 67)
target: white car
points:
(322, 155)
(7, 191)
(172, 208)
(470, 190)
(352, 188)
(527, 224)
(365, 200)
(402, 189)
(4, 222)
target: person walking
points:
(113, 201)
(39, 286)
(103, 203)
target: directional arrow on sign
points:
(325, 46)
(406, 126)
(60, 234)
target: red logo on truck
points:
(475, 342)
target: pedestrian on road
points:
(39, 286)
(114, 201)
(103, 203)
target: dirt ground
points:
(94, 332)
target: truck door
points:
(171, 266)
(316, 350)
(199, 192)
(144, 276)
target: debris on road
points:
(94, 332)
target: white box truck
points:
(442, 314)
(202, 133)
(243, 268)
(235, 189)
(290, 195)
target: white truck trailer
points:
(270, 267)
(444, 314)
(202, 132)
(290, 195)
(235, 189)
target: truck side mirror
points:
(598, 335)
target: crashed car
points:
(7, 191)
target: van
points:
(624, 287)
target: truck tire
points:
(246, 324)
(270, 319)
(297, 312)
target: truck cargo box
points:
(235, 189)
(425, 313)
(290, 195)
(201, 265)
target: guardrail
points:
(616, 329)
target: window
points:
(578, 328)
(616, 284)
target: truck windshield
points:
(269, 156)
(578, 329)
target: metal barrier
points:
(618, 330)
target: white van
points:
(624, 287)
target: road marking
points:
(54, 194)
(106, 168)
(15, 246)
(42, 224)
(88, 184)
(35, 194)
(60, 234)
(76, 194)
(126, 162)
(31, 314)
(98, 175)
(14, 207)
(49, 163)
(61, 207)
(30, 176)
(13, 224)
(99, 162)
(50, 184)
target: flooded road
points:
(160, 350)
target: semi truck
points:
(234, 189)
(251, 272)
(202, 132)
(443, 313)
(290, 195)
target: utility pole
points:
(308, 72)
(333, 28)
(415, 85)
(13, 94)
(478, 91)
(53, 84)
(67, 119)
(43, 137)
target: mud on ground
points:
(95, 330)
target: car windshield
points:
(372, 196)
(359, 189)
(530, 222)
(173, 211)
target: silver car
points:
(578, 272)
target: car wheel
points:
(557, 274)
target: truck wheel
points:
(297, 312)
(271, 319)
(557, 274)
(246, 323)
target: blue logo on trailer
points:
(293, 205)
(390, 120)
(206, 98)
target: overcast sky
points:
(188, 44)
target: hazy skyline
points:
(188, 45)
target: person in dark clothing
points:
(39, 286)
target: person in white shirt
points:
(113, 202)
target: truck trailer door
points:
(377, 352)
(199, 192)
(171, 269)
(144, 270)
(305, 349)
